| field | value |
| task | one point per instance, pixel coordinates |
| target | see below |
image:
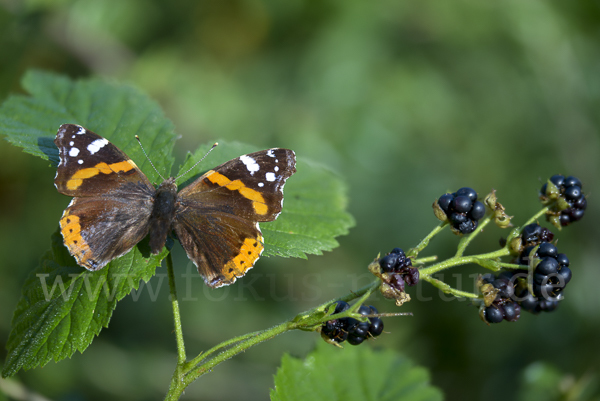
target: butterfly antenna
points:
(146, 154)
(198, 162)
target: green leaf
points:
(52, 324)
(314, 210)
(115, 111)
(352, 373)
(63, 306)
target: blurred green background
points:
(403, 99)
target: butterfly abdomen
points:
(162, 215)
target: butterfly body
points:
(215, 218)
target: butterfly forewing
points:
(250, 186)
(90, 165)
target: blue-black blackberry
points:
(533, 304)
(551, 273)
(461, 209)
(568, 189)
(399, 269)
(534, 234)
(350, 329)
(500, 303)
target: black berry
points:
(462, 209)
(493, 314)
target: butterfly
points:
(215, 218)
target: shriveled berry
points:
(547, 235)
(467, 227)
(396, 282)
(411, 277)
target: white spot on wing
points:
(276, 169)
(81, 131)
(270, 177)
(73, 152)
(80, 161)
(261, 184)
(250, 163)
(97, 145)
(270, 153)
(71, 143)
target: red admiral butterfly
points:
(215, 218)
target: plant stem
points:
(187, 372)
(176, 315)
(177, 386)
(425, 241)
(462, 246)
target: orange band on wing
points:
(250, 251)
(71, 232)
(77, 179)
(258, 202)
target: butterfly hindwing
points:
(97, 230)
(223, 246)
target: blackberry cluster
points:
(551, 274)
(503, 307)
(570, 189)
(462, 209)
(353, 330)
(399, 270)
(534, 234)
